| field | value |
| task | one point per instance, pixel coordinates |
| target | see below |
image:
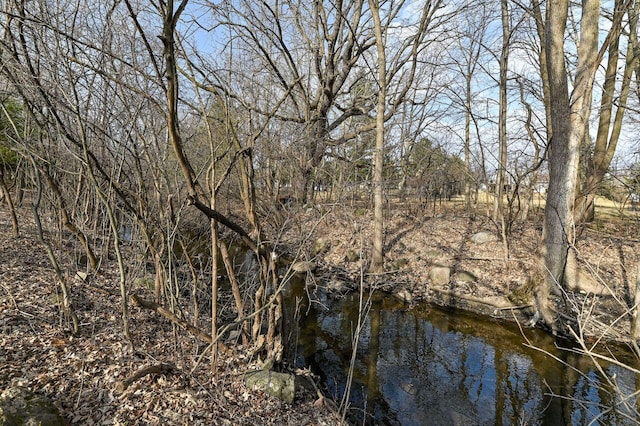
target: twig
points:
(202, 335)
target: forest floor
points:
(418, 241)
(83, 374)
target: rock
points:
(440, 275)
(303, 266)
(409, 388)
(404, 295)
(466, 277)
(20, 406)
(279, 385)
(320, 246)
(483, 237)
(82, 275)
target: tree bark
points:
(12, 210)
(635, 319)
(67, 304)
(377, 260)
(498, 212)
(569, 118)
(609, 130)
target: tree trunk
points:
(569, 118)
(498, 213)
(12, 211)
(467, 140)
(67, 304)
(635, 319)
(609, 130)
(68, 222)
(377, 261)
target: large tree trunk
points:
(377, 261)
(569, 118)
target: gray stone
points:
(404, 295)
(20, 406)
(279, 385)
(321, 246)
(466, 277)
(409, 388)
(440, 275)
(483, 237)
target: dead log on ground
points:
(161, 368)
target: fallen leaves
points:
(82, 374)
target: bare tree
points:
(498, 209)
(377, 259)
(570, 113)
(471, 45)
(614, 97)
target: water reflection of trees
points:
(430, 369)
(457, 378)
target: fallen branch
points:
(161, 368)
(200, 334)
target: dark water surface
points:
(428, 366)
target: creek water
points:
(429, 366)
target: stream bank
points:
(444, 340)
(441, 259)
